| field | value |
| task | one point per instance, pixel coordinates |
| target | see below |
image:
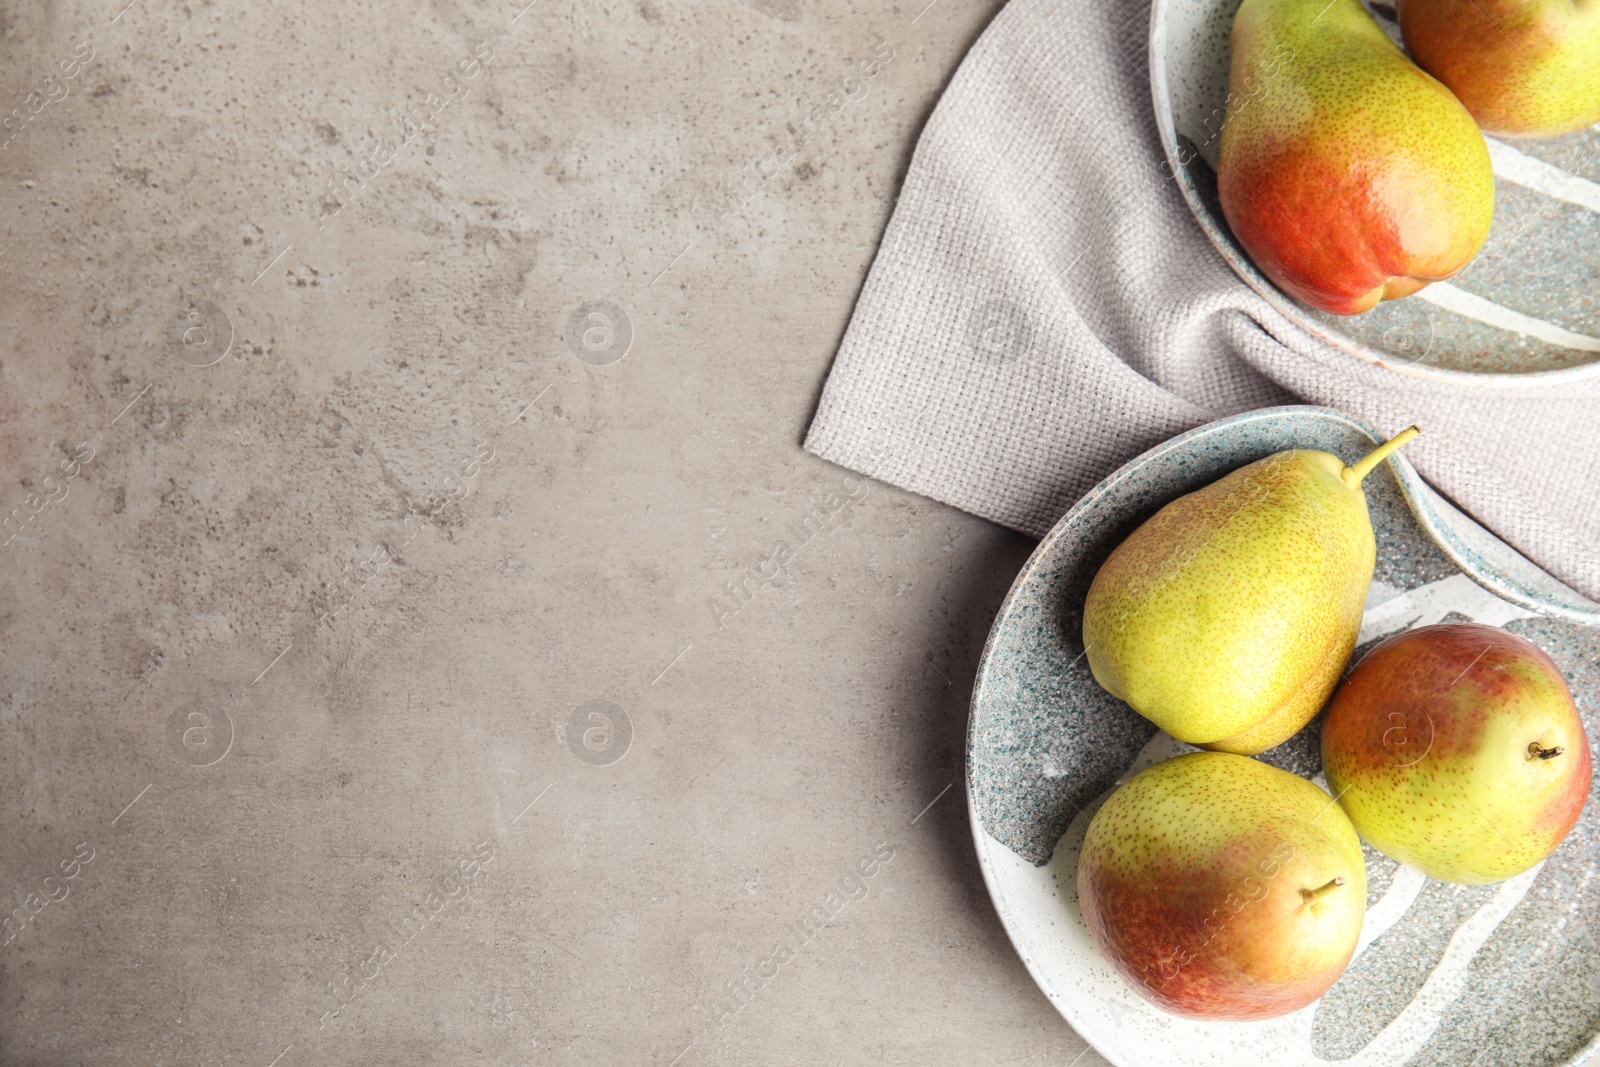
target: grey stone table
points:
(425, 641)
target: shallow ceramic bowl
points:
(1528, 308)
(1487, 976)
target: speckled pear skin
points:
(1529, 68)
(1192, 881)
(1227, 617)
(1426, 745)
(1348, 174)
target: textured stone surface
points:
(269, 801)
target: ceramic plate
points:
(1503, 975)
(1527, 308)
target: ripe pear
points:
(1223, 888)
(1456, 749)
(1530, 68)
(1348, 174)
(1227, 616)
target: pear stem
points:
(1311, 896)
(1353, 475)
(1538, 751)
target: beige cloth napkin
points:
(1043, 308)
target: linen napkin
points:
(1044, 307)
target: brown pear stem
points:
(1354, 474)
(1538, 751)
(1311, 896)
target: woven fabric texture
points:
(1043, 308)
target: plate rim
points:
(983, 842)
(1166, 131)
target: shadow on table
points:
(955, 643)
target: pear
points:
(1347, 173)
(1457, 749)
(1227, 617)
(1530, 68)
(1223, 888)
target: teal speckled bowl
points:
(1504, 975)
(1527, 310)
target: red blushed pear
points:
(1457, 749)
(1223, 888)
(1348, 174)
(1530, 68)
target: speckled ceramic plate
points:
(1527, 308)
(1503, 975)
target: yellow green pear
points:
(1227, 617)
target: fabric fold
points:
(1043, 307)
